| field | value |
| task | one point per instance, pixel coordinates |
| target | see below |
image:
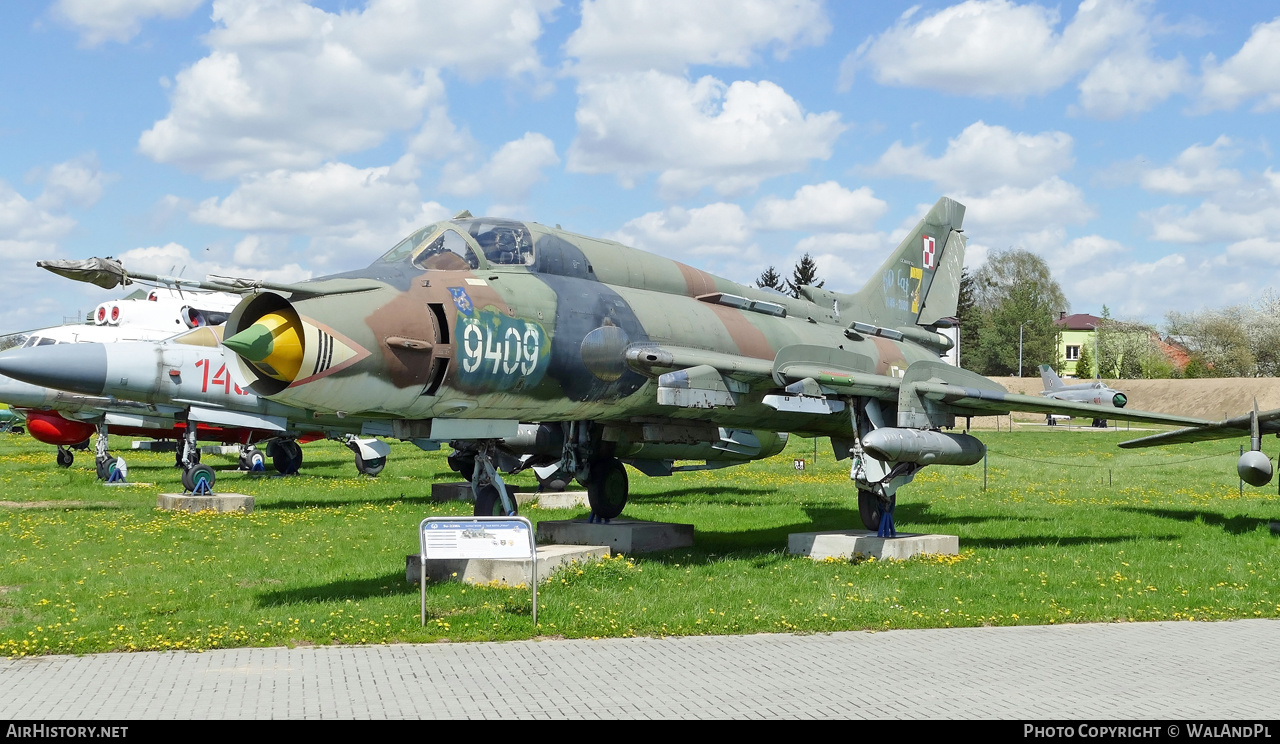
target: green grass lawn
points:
(1070, 529)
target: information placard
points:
(469, 538)
(476, 538)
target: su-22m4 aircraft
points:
(525, 346)
(1085, 392)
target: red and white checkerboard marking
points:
(929, 245)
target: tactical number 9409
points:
(507, 348)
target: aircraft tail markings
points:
(1050, 378)
(919, 283)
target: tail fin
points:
(919, 284)
(1050, 378)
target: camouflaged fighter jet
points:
(1085, 392)
(525, 346)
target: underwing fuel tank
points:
(923, 447)
(1254, 468)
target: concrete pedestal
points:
(621, 535)
(220, 449)
(820, 545)
(560, 499)
(547, 500)
(156, 446)
(222, 502)
(509, 572)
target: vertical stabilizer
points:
(919, 283)
(1050, 378)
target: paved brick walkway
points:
(1142, 670)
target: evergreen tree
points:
(805, 272)
(970, 317)
(771, 279)
(1084, 365)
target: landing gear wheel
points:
(198, 479)
(65, 458)
(489, 503)
(252, 460)
(554, 484)
(869, 508)
(103, 468)
(607, 488)
(286, 457)
(18, 430)
(370, 467)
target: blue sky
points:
(1128, 143)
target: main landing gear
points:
(286, 456)
(877, 481)
(590, 460)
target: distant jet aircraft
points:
(1095, 392)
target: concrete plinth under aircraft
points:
(544, 499)
(849, 543)
(627, 536)
(509, 572)
(222, 503)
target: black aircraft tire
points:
(370, 467)
(607, 488)
(18, 430)
(489, 503)
(103, 468)
(192, 478)
(869, 508)
(286, 457)
(65, 458)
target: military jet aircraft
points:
(1095, 392)
(526, 346)
(179, 388)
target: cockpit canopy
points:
(451, 246)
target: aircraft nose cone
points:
(77, 368)
(253, 343)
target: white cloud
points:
(1197, 170)
(509, 174)
(1251, 73)
(824, 206)
(351, 214)
(77, 182)
(718, 229)
(1084, 251)
(1009, 209)
(995, 47)
(982, 157)
(23, 220)
(668, 35)
(163, 258)
(288, 85)
(117, 20)
(728, 137)
(1130, 82)
(873, 245)
(1254, 251)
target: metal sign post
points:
(496, 538)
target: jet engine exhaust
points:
(1254, 468)
(923, 447)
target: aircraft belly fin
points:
(237, 418)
